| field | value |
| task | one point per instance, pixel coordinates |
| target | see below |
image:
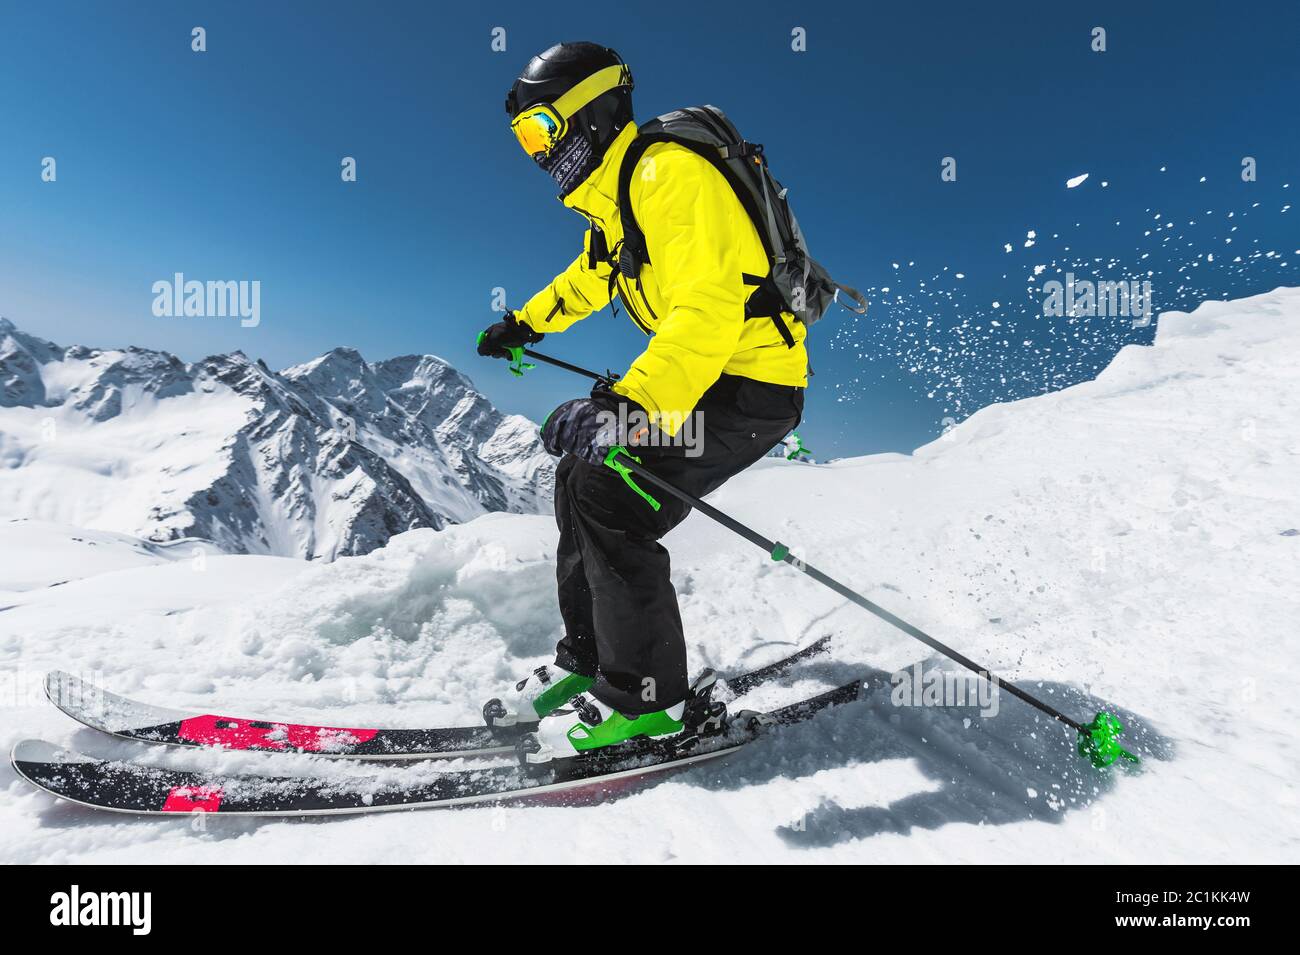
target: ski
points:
(130, 719)
(132, 788)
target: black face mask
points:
(570, 162)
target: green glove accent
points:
(517, 364)
(1099, 743)
(611, 460)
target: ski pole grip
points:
(517, 364)
(611, 460)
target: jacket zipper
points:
(640, 289)
(590, 218)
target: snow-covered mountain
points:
(1133, 542)
(325, 459)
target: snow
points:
(112, 473)
(1075, 181)
(1129, 542)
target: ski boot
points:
(588, 725)
(540, 693)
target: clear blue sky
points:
(225, 165)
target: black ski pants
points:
(621, 620)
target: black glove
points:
(495, 339)
(589, 427)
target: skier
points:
(715, 389)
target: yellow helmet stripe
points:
(602, 81)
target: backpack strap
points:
(632, 254)
(597, 248)
(598, 254)
(765, 301)
(859, 300)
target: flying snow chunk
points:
(1075, 181)
(1007, 247)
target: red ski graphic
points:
(193, 799)
(233, 733)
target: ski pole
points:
(608, 377)
(1098, 740)
(518, 366)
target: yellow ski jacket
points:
(691, 296)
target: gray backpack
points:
(796, 283)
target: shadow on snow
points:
(1016, 766)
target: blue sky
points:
(225, 165)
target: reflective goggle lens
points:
(538, 130)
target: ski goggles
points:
(538, 128)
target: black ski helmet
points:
(553, 72)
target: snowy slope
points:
(38, 554)
(1132, 541)
(328, 458)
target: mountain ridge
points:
(328, 458)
